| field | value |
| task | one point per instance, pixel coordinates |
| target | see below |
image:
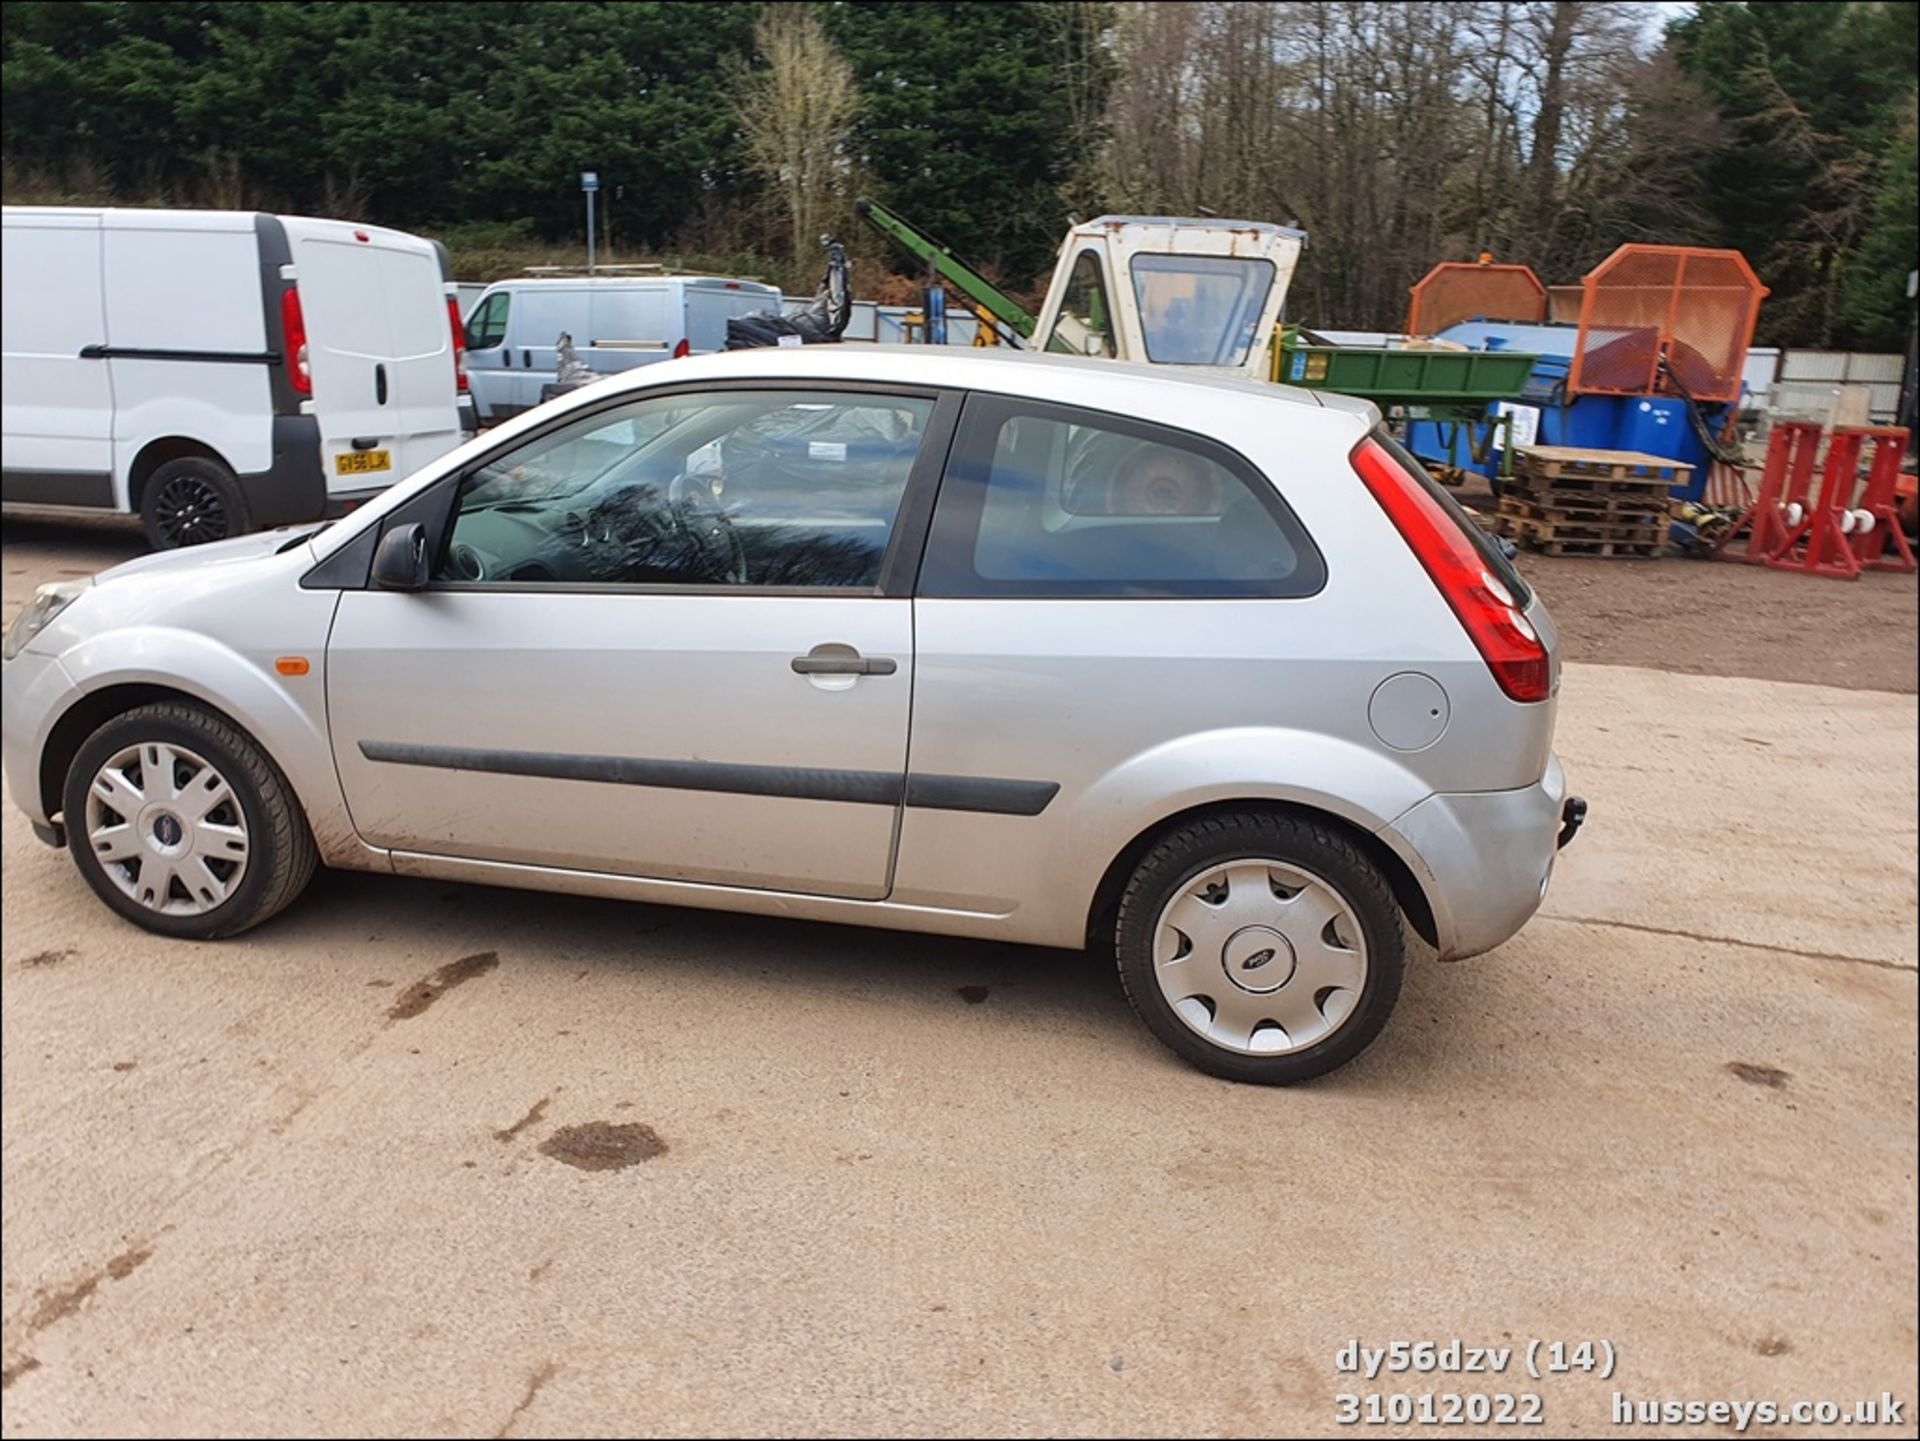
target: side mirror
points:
(400, 561)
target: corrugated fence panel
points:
(1835, 366)
(1875, 369)
(1823, 365)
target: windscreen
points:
(1200, 309)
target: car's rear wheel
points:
(183, 825)
(1261, 947)
(192, 501)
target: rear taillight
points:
(459, 344)
(294, 326)
(683, 349)
(1487, 609)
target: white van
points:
(221, 371)
(616, 324)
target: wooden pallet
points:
(1599, 487)
(1526, 529)
(1578, 492)
(1554, 507)
(1573, 468)
(1622, 549)
(1639, 538)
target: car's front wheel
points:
(182, 824)
(1261, 947)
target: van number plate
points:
(362, 462)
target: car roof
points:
(1098, 384)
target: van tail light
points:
(1491, 617)
(683, 349)
(293, 326)
(459, 345)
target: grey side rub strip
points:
(988, 794)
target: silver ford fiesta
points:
(1038, 649)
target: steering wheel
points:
(698, 516)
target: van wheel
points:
(182, 824)
(1262, 948)
(192, 501)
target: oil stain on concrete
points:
(58, 1305)
(547, 1371)
(531, 1118)
(428, 989)
(603, 1146)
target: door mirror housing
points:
(400, 561)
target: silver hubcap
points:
(167, 829)
(1260, 957)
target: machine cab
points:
(1168, 291)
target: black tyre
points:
(183, 825)
(1261, 947)
(192, 501)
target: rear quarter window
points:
(1051, 501)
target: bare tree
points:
(1081, 67)
(1400, 135)
(1152, 141)
(796, 110)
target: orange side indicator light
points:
(292, 665)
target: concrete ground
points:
(321, 1179)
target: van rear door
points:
(380, 344)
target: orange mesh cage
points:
(1693, 309)
(1457, 290)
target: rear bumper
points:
(1484, 858)
(293, 489)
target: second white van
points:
(617, 323)
(216, 372)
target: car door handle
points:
(843, 665)
(379, 385)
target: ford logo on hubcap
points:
(166, 830)
(1258, 959)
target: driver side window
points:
(732, 488)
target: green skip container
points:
(1406, 377)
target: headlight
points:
(47, 602)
